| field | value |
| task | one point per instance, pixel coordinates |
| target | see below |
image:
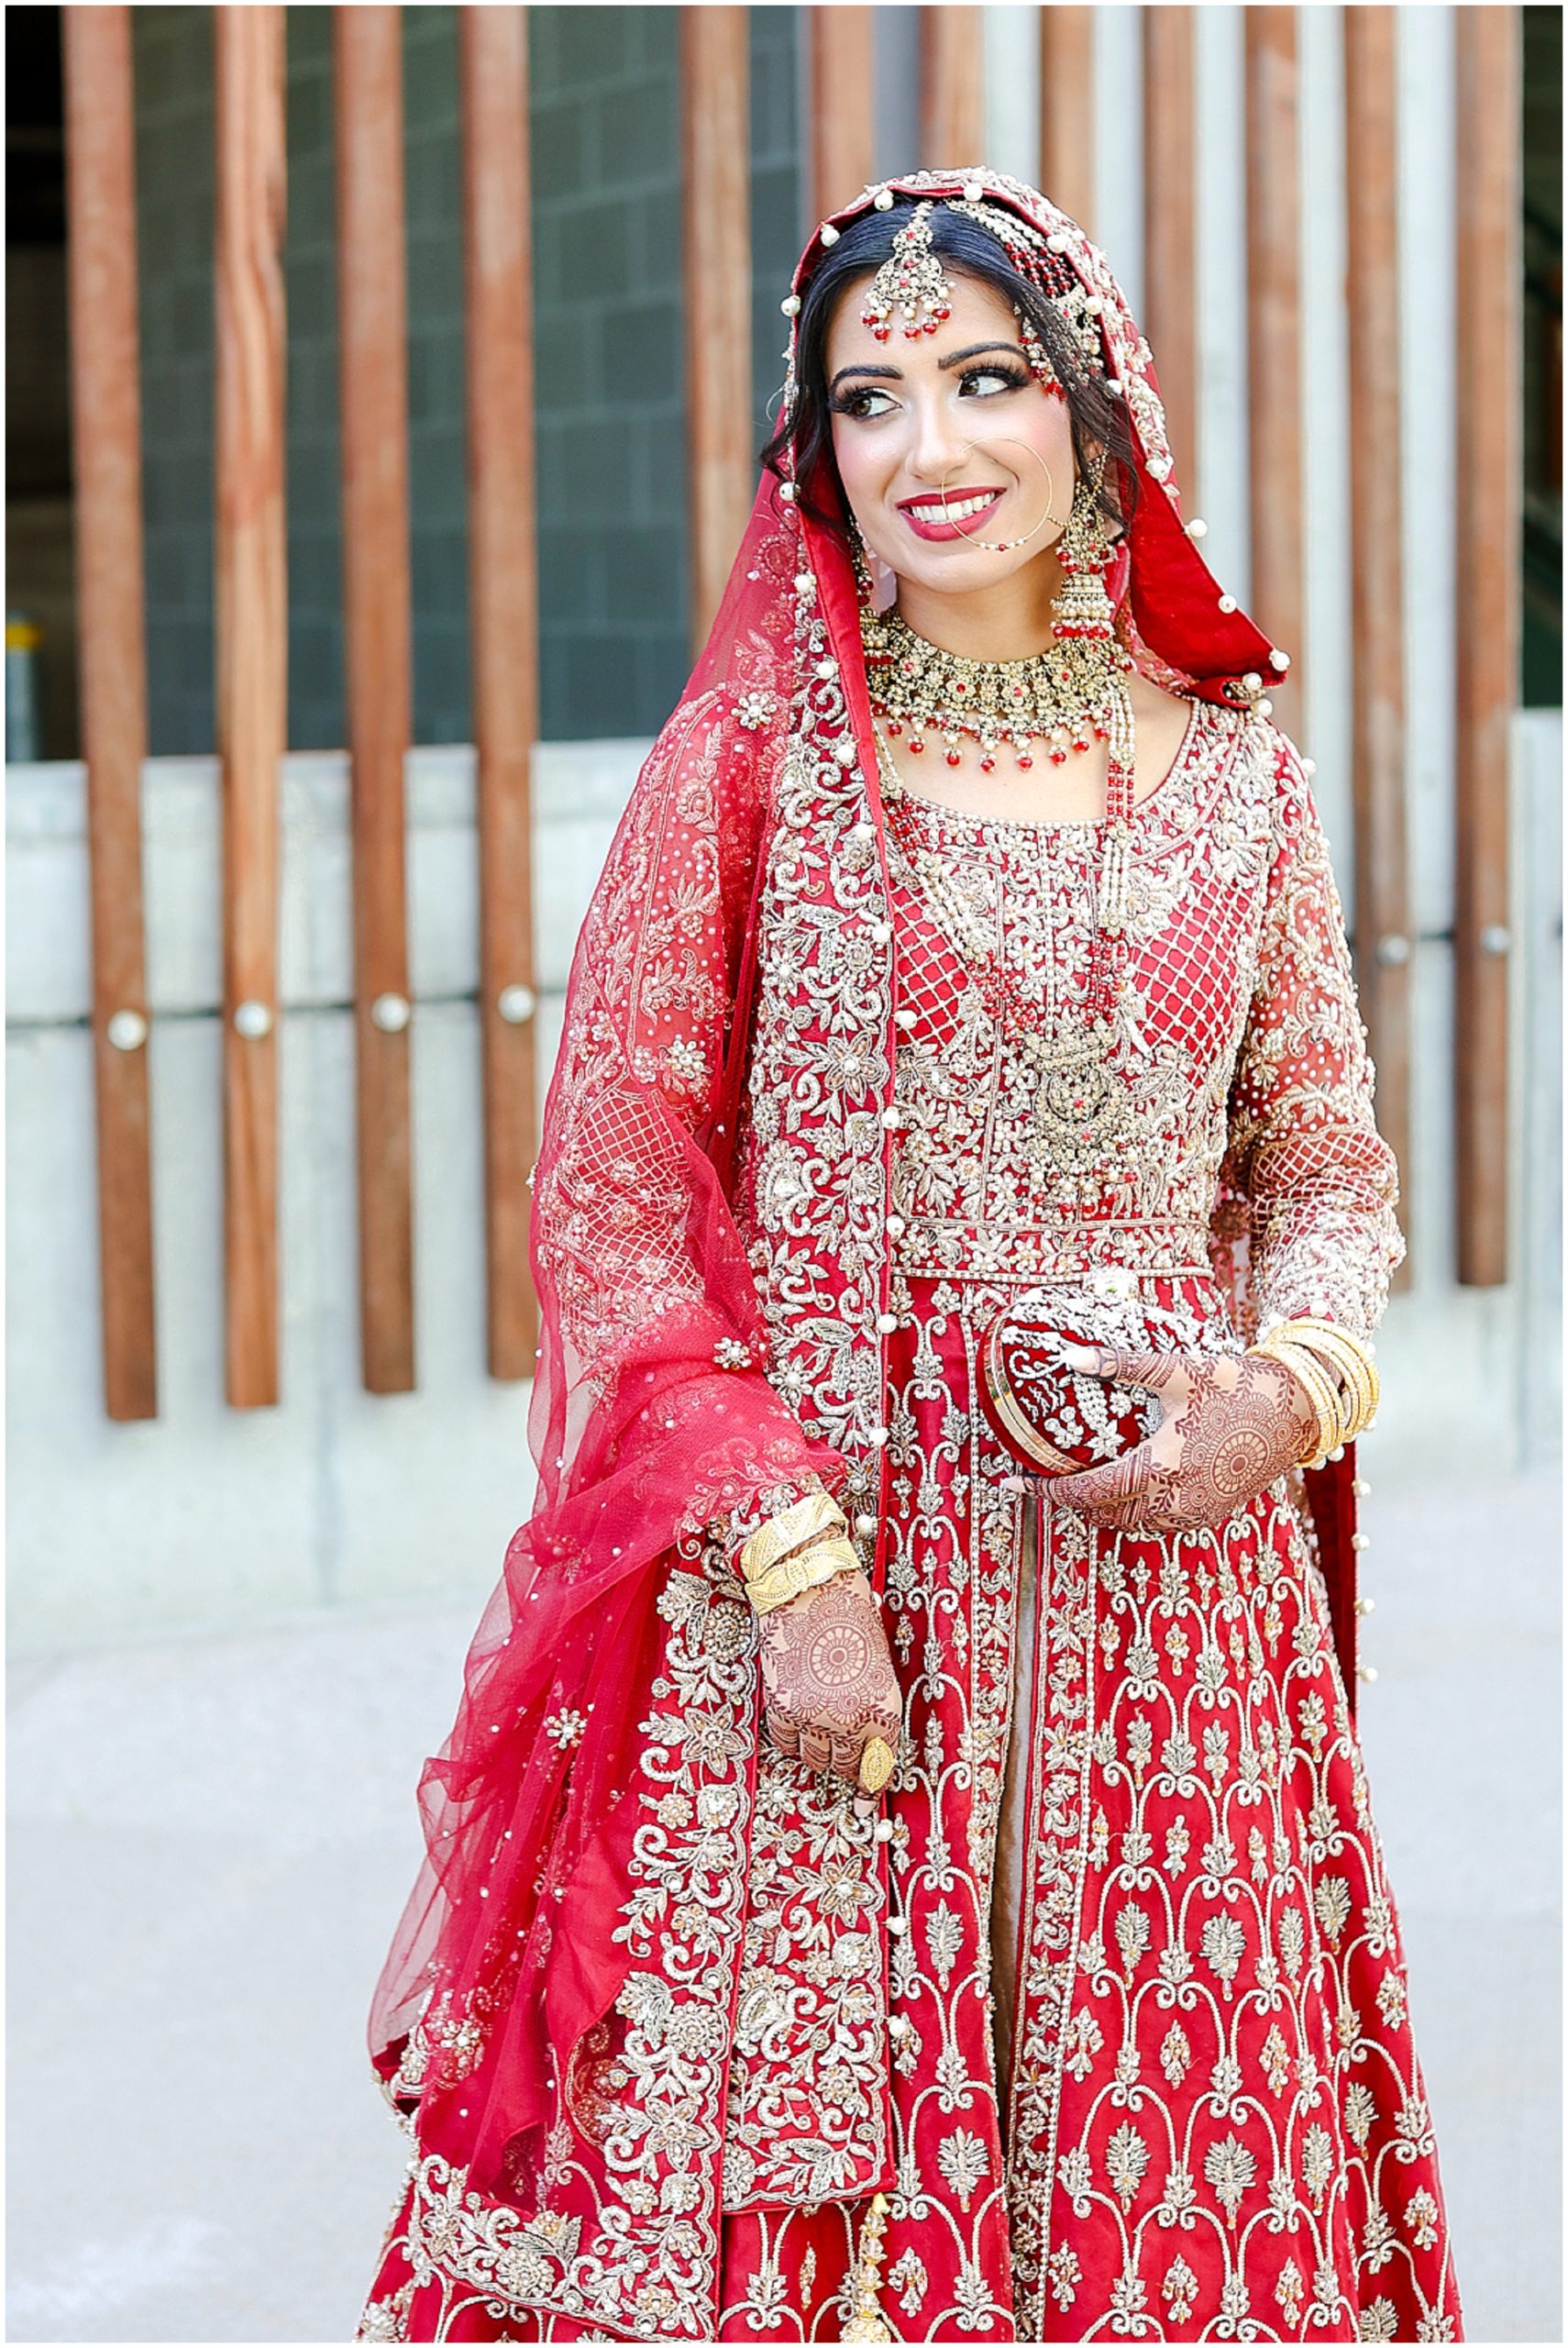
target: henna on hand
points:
(829, 1675)
(1232, 1423)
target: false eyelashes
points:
(850, 402)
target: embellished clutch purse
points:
(1056, 1420)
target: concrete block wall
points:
(611, 408)
(611, 464)
(310, 294)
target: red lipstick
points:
(956, 524)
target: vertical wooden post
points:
(843, 90)
(1067, 111)
(952, 87)
(368, 62)
(1383, 922)
(1170, 226)
(1273, 340)
(1487, 491)
(503, 628)
(106, 441)
(252, 712)
(716, 150)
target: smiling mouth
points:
(935, 511)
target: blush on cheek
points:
(860, 487)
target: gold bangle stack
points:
(1338, 1373)
(1356, 1370)
(814, 1513)
(802, 1569)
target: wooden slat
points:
(842, 104)
(1274, 342)
(106, 444)
(716, 150)
(951, 88)
(1487, 616)
(1066, 112)
(252, 615)
(1383, 922)
(503, 631)
(368, 64)
(1170, 239)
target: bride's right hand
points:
(829, 1676)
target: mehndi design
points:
(1233, 1424)
(829, 1676)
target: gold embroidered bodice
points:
(1029, 1143)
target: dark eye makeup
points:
(854, 399)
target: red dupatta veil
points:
(657, 1408)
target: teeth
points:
(958, 509)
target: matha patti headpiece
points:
(1035, 257)
(910, 283)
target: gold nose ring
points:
(1008, 546)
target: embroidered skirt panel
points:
(1216, 2125)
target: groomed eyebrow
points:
(973, 349)
(890, 374)
(953, 359)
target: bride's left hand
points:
(1232, 1423)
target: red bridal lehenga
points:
(1115, 2017)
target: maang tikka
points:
(910, 283)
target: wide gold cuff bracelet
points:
(815, 1512)
(804, 1569)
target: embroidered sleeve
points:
(1304, 1151)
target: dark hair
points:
(1098, 418)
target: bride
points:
(903, 1867)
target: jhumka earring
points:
(1083, 609)
(860, 561)
(865, 586)
(910, 283)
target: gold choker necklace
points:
(1069, 695)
